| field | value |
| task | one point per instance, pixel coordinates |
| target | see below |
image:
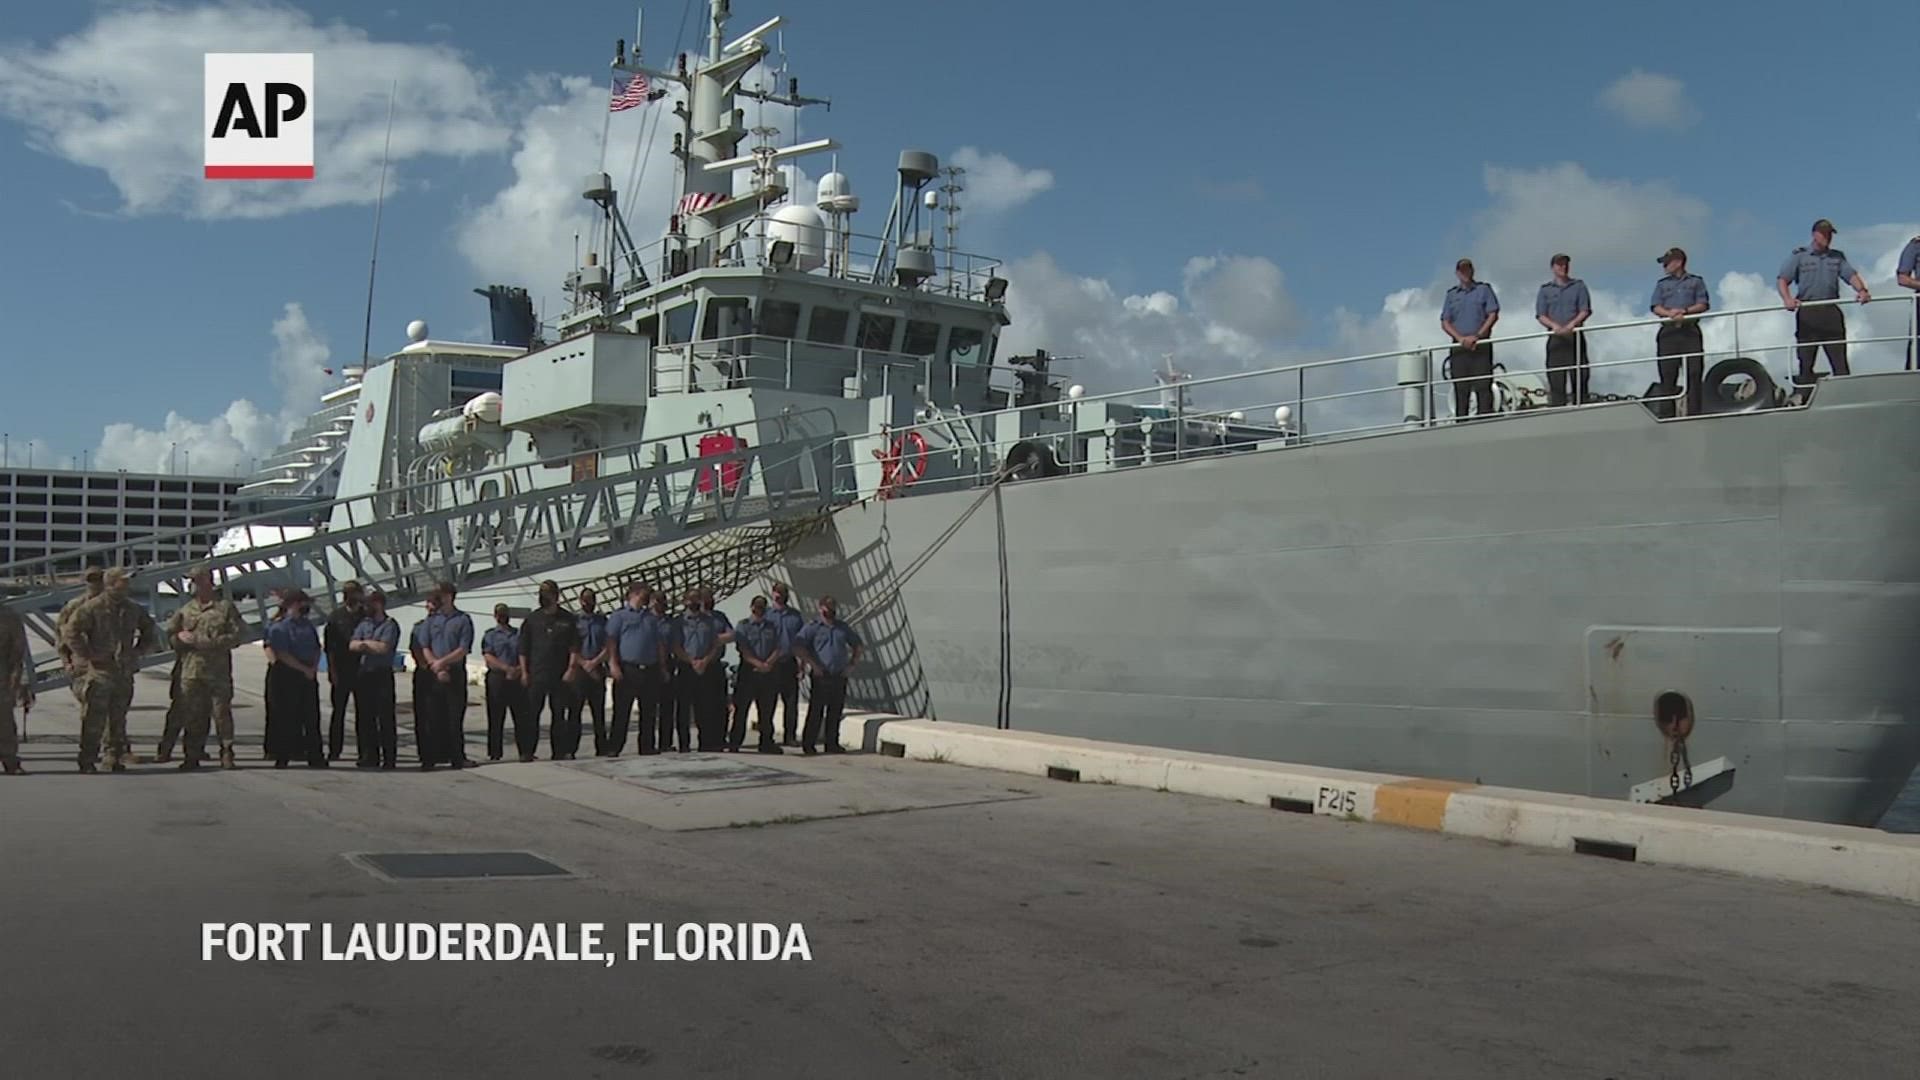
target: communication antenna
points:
(379, 204)
(952, 189)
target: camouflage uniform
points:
(170, 734)
(16, 683)
(107, 636)
(205, 688)
(95, 585)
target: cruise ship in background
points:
(1306, 564)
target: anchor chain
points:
(1680, 766)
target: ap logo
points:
(259, 116)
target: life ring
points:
(902, 463)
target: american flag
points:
(629, 90)
(693, 202)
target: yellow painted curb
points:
(1419, 804)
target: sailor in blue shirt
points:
(425, 686)
(376, 640)
(448, 642)
(786, 673)
(829, 648)
(589, 675)
(1814, 273)
(638, 667)
(1562, 306)
(293, 648)
(704, 634)
(1908, 275)
(676, 713)
(1678, 298)
(763, 644)
(506, 695)
(1468, 316)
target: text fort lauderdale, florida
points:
(501, 941)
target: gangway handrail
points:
(323, 509)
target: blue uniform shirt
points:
(423, 631)
(593, 634)
(636, 636)
(1817, 273)
(790, 620)
(1679, 293)
(385, 630)
(699, 633)
(295, 637)
(453, 631)
(502, 643)
(1910, 258)
(1467, 309)
(1561, 302)
(830, 646)
(762, 639)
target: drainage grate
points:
(1606, 849)
(893, 749)
(1292, 806)
(1057, 772)
(456, 865)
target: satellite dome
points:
(803, 226)
(1282, 414)
(417, 330)
(836, 194)
(1076, 391)
(1236, 416)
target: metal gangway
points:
(405, 539)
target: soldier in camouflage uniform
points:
(107, 636)
(170, 734)
(95, 585)
(203, 634)
(16, 686)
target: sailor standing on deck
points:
(786, 673)
(293, 678)
(549, 649)
(343, 669)
(639, 659)
(1562, 306)
(448, 645)
(672, 717)
(424, 685)
(704, 634)
(589, 676)
(16, 686)
(763, 645)
(1817, 271)
(1468, 315)
(829, 648)
(375, 641)
(1909, 277)
(506, 694)
(1678, 298)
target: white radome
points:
(1282, 414)
(417, 330)
(1076, 391)
(1236, 416)
(807, 230)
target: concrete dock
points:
(961, 921)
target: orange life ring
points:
(902, 463)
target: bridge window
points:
(923, 338)
(779, 318)
(828, 326)
(727, 316)
(678, 325)
(876, 331)
(965, 346)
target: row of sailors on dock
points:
(1810, 274)
(667, 666)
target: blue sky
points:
(1239, 183)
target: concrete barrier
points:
(1835, 856)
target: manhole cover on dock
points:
(688, 774)
(455, 865)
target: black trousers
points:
(826, 703)
(295, 731)
(1674, 344)
(638, 684)
(786, 685)
(707, 695)
(346, 676)
(374, 717)
(426, 725)
(753, 690)
(587, 694)
(676, 707)
(544, 693)
(1911, 359)
(1815, 329)
(450, 709)
(505, 697)
(1472, 374)
(1567, 363)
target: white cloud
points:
(1648, 100)
(124, 95)
(240, 433)
(995, 183)
(1602, 223)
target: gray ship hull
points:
(1500, 602)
